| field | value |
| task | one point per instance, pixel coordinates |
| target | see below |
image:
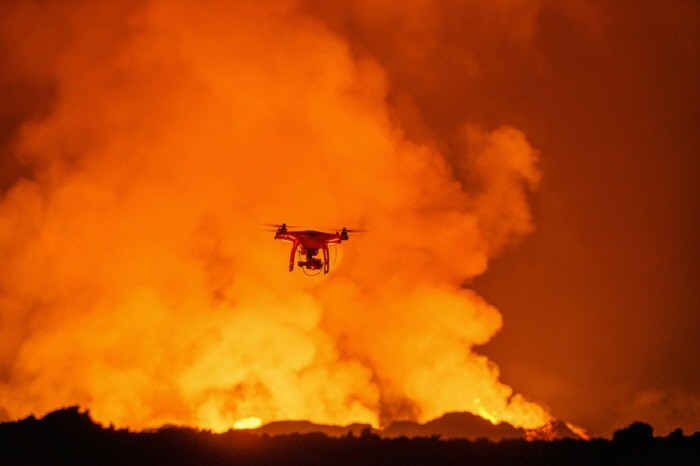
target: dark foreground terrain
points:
(69, 437)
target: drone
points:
(311, 241)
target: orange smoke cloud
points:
(135, 281)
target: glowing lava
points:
(248, 423)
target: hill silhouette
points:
(457, 425)
(450, 425)
(70, 437)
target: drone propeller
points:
(277, 226)
(349, 230)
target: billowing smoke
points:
(146, 142)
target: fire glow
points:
(135, 282)
(247, 423)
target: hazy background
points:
(600, 304)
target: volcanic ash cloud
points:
(134, 280)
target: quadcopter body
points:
(308, 243)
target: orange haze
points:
(135, 281)
(143, 143)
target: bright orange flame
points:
(580, 431)
(248, 423)
(134, 281)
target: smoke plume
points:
(143, 145)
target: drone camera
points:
(311, 264)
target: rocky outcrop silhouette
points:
(458, 425)
(70, 437)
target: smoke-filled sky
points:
(525, 170)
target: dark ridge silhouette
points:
(448, 426)
(70, 437)
(454, 425)
(307, 427)
(635, 433)
(461, 425)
